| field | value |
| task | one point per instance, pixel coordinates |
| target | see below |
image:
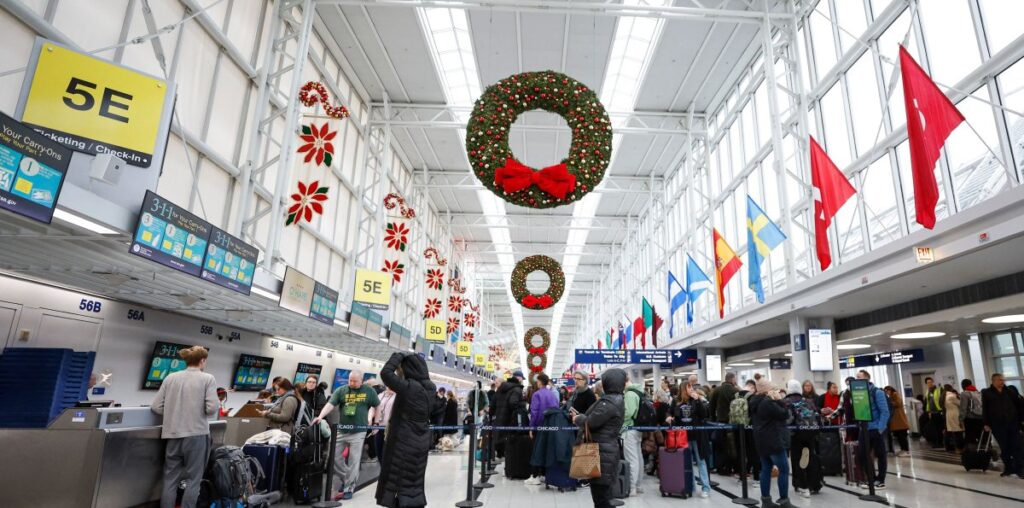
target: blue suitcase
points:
(271, 458)
(558, 477)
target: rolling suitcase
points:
(830, 452)
(558, 477)
(620, 489)
(518, 449)
(271, 459)
(978, 456)
(675, 472)
(307, 483)
(854, 472)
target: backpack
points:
(646, 416)
(233, 474)
(973, 405)
(802, 414)
(739, 411)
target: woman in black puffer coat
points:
(407, 438)
(605, 419)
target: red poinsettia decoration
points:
(455, 303)
(395, 268)
(435, 278)
(470, 319)
(453, 324)
(318, 144)
(396, 236)
(308, 200)
(432, 308)
(468, 336)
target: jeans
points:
(348, 470)
(780, 461)
(1008, 437)
(634, 455)
(184, 461)
(875, 444)
(701, 467)
(601, 494)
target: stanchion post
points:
(325, 496)
(869, 466)
(485, 463)
(470, 502)
(744, 499)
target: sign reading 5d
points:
(433, 328)
(463, 349)
(373, 289)
(480, 360)
(94, 106)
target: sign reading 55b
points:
(373, 289)
(95, 106)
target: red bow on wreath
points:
(536, 350)
(536, 368)
(534, 302)
(555, 180)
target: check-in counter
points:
(98, 457)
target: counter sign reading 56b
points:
(373, 289)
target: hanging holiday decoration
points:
(455, 283)
(536, 362)
(434, 292)
(315, 91)
(318, 144)
(432, 308)
(496, 166)
(453, 325)
(396, 235)
(455, 304)
(532, 264)
(537, 340)
(468, 336)
(308, 200)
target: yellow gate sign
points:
(434, 329)
(95, 106)
(480, 359)
(373, 289)
(463, 349)
(490, 367)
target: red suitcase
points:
(675, 472)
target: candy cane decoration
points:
(432, 253)
(394, 200)
(320, 96)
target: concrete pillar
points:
(656, 372)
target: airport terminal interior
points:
(511, 253)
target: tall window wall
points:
(1007, 356)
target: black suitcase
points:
(830, 453)
(978, 456)
(306, 483)
(518, 449)
(620, 488)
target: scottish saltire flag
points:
(677, 300)
(762, 236)
(697, 282)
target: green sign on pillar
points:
(861, 398)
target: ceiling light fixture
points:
(789, 355)
(741, 364)
(918, 335)
(847, 347)
(75, 220)
(1009, 318)
(265, 294)
(762, 360)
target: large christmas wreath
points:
(495, 164)
(537, 362)
(531, 345)
(532, 264)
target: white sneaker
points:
(639, 490)
(534, 480)
(804, 493)
(805, 457)
(634, 493)
(705, 494)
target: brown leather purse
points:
(586, 458)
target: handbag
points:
(586, 458)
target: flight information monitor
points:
(304, 370)
(164, 361)
(340, 378)
(170, 235)
(230, 262)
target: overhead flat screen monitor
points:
(32, 169)
(367, 376)
(252, 373)
(819, 345)
(324, 305)
(304, 370)
(340, 378)
(713, 368)
(297, 292)
(229, 262)
(170, 235)
(164, 361)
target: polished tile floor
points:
(912, 483)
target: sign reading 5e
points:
(373, 289)
(94, 106)
(433, 329)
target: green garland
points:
(496, 110)
(532, 264)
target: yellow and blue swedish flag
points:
(762, 236)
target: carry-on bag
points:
(620, 487)
(830, 452)
(556, 476)
(978, 456)
(675, 472)
(854, 471)
(271, 459)
(518, 449)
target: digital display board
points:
(32, 170)
(368, 376)
(165, 361)
(324, 305)
(819, 343)
(170, 235)
(297, 292)
(252, 373)
(230, 262)
(340, 378)
(713, 368)
(304, 370)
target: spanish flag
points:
(727, 263)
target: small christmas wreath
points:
(531, 346)
(493, 161)
(532, 264)
(537, 362)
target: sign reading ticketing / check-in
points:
(32, 169)
(637, 356)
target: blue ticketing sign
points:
(32, 170)
(230, 262)
(171, 235)
(637, 356)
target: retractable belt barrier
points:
(507, 428)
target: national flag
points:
(727, 263)
(830, 189)
(608, 339)
(639, 332)
(677, 300)
(697, 282)
(654, 329)
(931, 117)
(598, 343)
(648, 314)
(762, 236)
(621, 343)
(629, 332)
